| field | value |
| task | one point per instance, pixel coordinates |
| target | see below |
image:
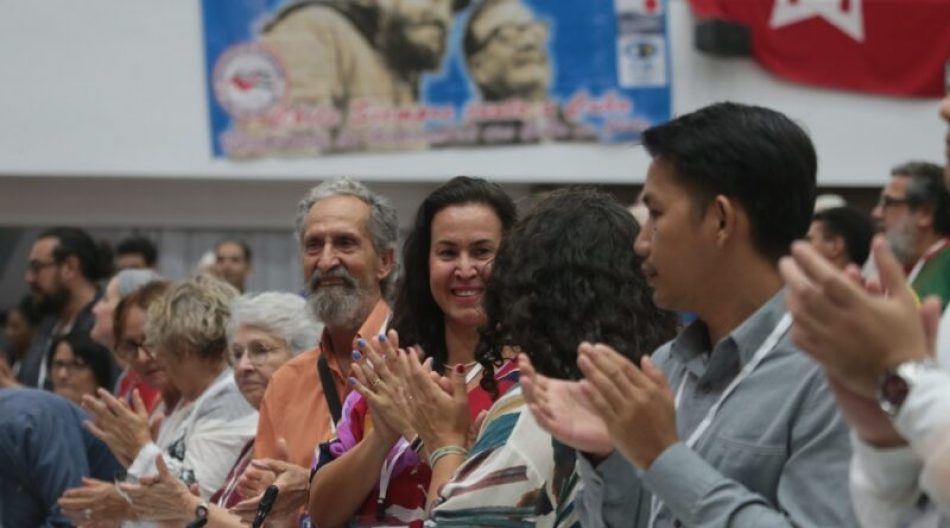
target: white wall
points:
(116, 89)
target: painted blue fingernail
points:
(356, 355)
(382, 338)
(361, 343)
(351, 381)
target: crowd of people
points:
(506, 369)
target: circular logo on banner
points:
(248, 80)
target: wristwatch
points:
(201, 516)
(895, 384)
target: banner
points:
(895, 47)
(307, 77)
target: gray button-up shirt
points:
(775, 455)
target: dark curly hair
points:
(567, 273)
(417, 317)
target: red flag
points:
(896, 47)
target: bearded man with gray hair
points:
(347, 238)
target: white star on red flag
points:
(846, 15)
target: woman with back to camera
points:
(369, 475)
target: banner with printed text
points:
(308, 77)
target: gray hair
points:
(191, 316)
(383, 224)
(129, 280)
(926, 188)
(284, 315)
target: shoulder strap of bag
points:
(329, 388)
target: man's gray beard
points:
(903, 243)
(338, 306)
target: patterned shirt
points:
(515, 475)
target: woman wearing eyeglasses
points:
(99, 500)
(78, 366)
(264, 332)
(103, 332)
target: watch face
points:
(201, 511)
(894, 389)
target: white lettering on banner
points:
(846, 15)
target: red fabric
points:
(150, 395)
(902, 51)
(228, 496)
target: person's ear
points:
(387, 263)
(70, 268)
(724, 213)
(479, 68)
(924, 217)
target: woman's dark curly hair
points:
(567, 273)
(417, 317)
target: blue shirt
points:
(44, 450)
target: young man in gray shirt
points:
(728, 424)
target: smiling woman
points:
(447, 257)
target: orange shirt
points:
(294, 407)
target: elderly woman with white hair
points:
(265, 331)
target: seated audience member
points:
(186, 335)
(447, 257)
(232, 262)
(78, 367)
(914, 214)
(44, 449)
(136, 252)
(264, 332)
(751, 437)
(19, 330)
(120, 286)
(566, 274)
(878, 351)
(160, 426)
(842, 235)
(64, 266)
(347, 238)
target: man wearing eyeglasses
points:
(62, 273)
(506, 53)
(914, 214)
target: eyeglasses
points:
(886, 201)
(510, 33)
(129, 349)
(36, 266)
(70, 366)
(257, 353)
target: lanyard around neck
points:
(764, 349)
(931, 251)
